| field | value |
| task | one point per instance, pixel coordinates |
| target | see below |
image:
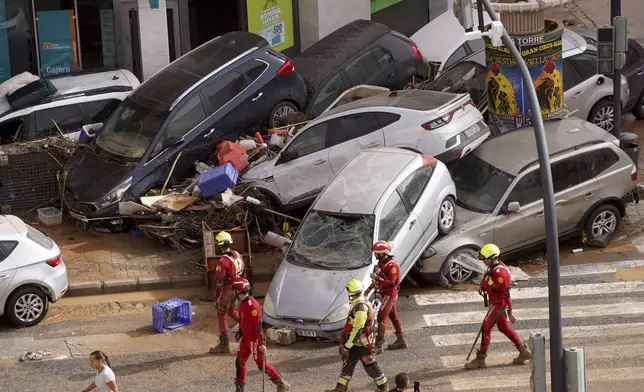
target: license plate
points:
(77, 216)
(472, 130)
(308, 334)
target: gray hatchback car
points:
(499, 194)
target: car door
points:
(302, 170)
(400, 227)
(584, 94)
(514, 230)
(575, 88)
(576, 190)
(634, 70)
(371, 68)
(350, 134)
(325, 96)
(255, 107)
(7, 266)
(65, 119)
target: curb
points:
(129, 285)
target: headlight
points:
(269, 309)
(339, 314)
(117, 193)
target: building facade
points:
(58, 37)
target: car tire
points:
(281, 109)
(454, 272)
(34, 300)
(447, 215)
(602, 114)
(638, 110)
(604, 220)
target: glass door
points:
(58, 40)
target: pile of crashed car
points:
(374, 138)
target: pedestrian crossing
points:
(606, 318)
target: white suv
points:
(80, 100)
(32, 272)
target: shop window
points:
(17, 42)
(97, 34)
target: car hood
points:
(307, 293)
(91, 177)
(261, 171)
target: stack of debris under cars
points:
(215, 198)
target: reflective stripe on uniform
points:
(382, 380)
(344, 381)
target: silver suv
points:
(500, 196)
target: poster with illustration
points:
(58, 44)
(508, 103)
(273, 20)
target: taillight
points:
(427, 160)
(286, 68)
(445, 118)
(55, 262)
(437, 123)
(634, 173)
(417, 55)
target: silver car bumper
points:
(324, 331)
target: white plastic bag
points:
(16, 82)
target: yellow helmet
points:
(489, 251)
(224, 238)
(354, 287)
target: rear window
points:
(39, 238)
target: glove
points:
(238, 335)
(343, 351)
(511, 317)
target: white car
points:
(443, 125)
(32, 272)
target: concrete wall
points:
(153, 26)
(319, 18)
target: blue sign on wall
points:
(58, 44)
(5, 61)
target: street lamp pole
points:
(552, 240)
(615, 11)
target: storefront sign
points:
(379, 5)
(5, 60)
(508, 104)
(273, 20)
(58, 44)
(108, 39)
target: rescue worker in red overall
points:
(230, 267)
(386, 281)
(356, 342)
(496, 284)
(251, 334)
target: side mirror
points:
(91, 129)
(171, 142)
(513, 207)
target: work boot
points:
(478, 362)
(399, 343)
(380, 341)
(239, 387)
(524, 354)
(282, 386)
(223, 347)
(382, 388)
(338, 388)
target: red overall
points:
(388, 284)
(250, 324)
(230, 267)
(496, 283)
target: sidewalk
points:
(119, 263)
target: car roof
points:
(513, 150)
(403, 99)
(359, 185)
(325, 57)
(168, 85)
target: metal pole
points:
(616, 10)
(538, 349)
(575, 369)
(479, 11)
(550, 212)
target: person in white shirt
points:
(105, 381)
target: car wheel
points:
(279, 111)
(456, 273)
(27, 306)
(446, 215)
(604, 220)
(602, 114)
(638, 110)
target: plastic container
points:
(50, 216)
(217, 180)
(225, 147)
(84, 138)
(248, 144)
(171, 314)
(275, 240)
(236, 159)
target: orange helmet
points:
(381, 247)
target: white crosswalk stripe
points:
(604, 318)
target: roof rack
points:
(565, 150)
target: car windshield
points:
(131, 128)
(333, 241)
(479, 185)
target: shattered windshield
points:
(479, 185)
(333, 241)
(131, 128)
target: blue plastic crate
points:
(217, 180)
(171, 314)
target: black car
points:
(361, 52)
(229, 86)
